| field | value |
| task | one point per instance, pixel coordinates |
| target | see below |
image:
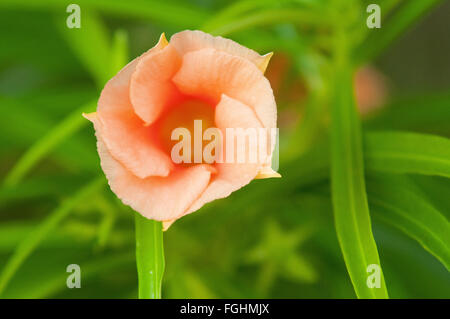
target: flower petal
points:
(158, 198)
(230, 113)
(188, 41)
(151, 88)
(123, 132)
(211, 73)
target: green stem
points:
(149, 257)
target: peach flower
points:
(194, 76)
(370, 89)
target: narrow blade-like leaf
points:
(399, 203)
(403, 152)
(351, 211)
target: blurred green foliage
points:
(272, 239)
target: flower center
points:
(186, 115)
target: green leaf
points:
(29, 243)
(37, 123)
(399, 203)
(408, 153)
(237, 9)
(54, 137)
(277, 255)
(115, 59)
(231, 11)
(107, 223)
(390, 151)
(119, 51)
(273, 16)
(436, 190)
(90, 44)
(177, 13)
(351, 211)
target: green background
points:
(272, 239)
